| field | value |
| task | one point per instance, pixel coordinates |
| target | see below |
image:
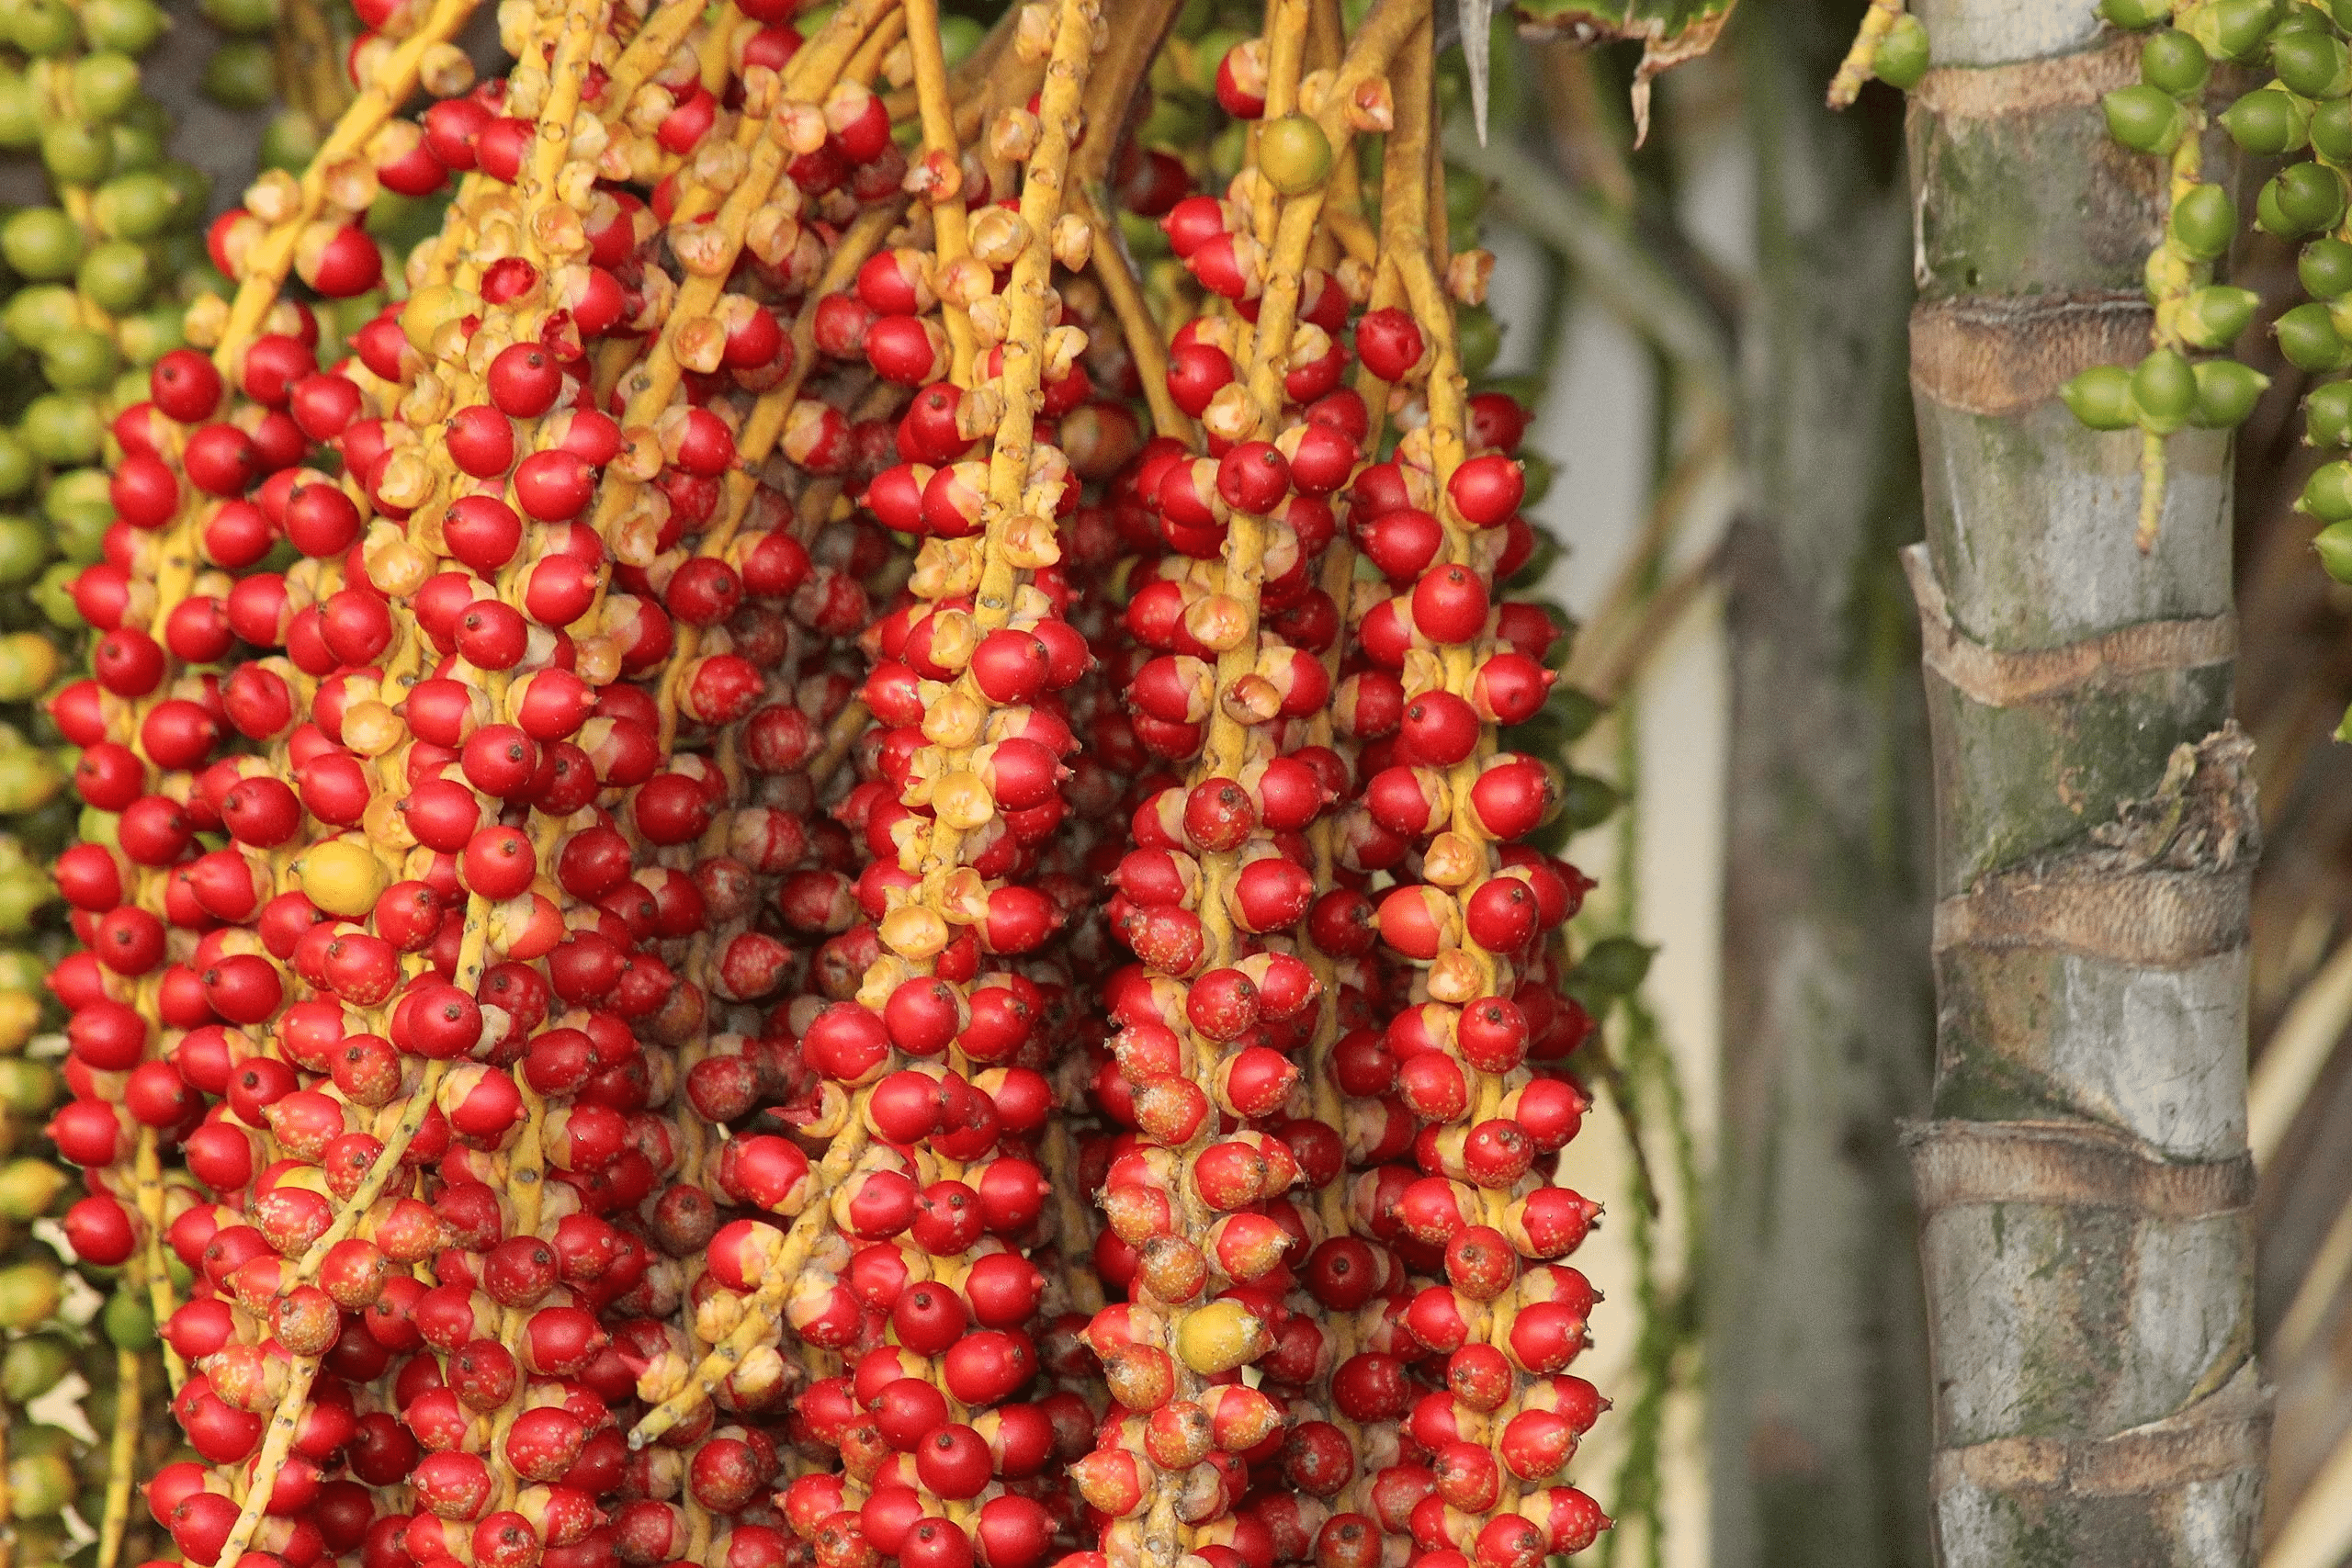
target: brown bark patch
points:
(1993, 92)
(2162, 919)
(2164, 885)
(2075, 1165)
(2011, 677)
(1997, 355)
(2224, 1433)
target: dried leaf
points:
(1671, 32)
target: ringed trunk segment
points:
(2085, 1186)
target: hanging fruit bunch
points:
(786, 869)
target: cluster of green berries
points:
(241, 70)
(94, 286)
(2167, 392)
(66, 1320)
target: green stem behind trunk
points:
(1817, 1358)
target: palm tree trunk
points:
(1817, 1359)
(2083, 1183)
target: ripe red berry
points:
(1487, 489)
(525, 380)
(1253, 477)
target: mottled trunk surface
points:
(1817, 1362)
(2083, 1183)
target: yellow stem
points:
(950, 240)
(147, 1177)
(1862, 61)
(718, 60)
(2152, 491)
(123, 1458)
(7, 1498)
(1022, 378)
(276, 1440)
(765, 1310)
(1287, 36)
(309, 76)
(966, 82)
(274, 254)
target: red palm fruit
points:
(1111, 1482)
(1502, 915)
(1487, 489)
(1271, 895)
(1550, 1222)
(1391, 343)
(1241, 80)
(1223, 1004)
(1550, 1110)
(1253, 477)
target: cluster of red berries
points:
(1336, 870)
(705, 990)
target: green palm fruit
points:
(2144, 118)
(2213, 316)
(129, 27)
(41, 1484)
(2171, 62)
(76, 154)
(2312, 65)
(43, 28)
(2101, 398)
(2226, 393)
(30, 1293)
(2324, 268)
(2269, 122)
(1903, 54)
(1294, 153)
(20, 111)
(64, 431)
(1479, 336)
(2302, 198)
(2334, 543)
(2327, 495)
(959, 37)
(30, 779)
(2235, 29)
(27, 1088)
(2164, 388)
(53, 595)
(27, 1188)
(105, 85)
(241, 74)
(2327, 415)
(2307, 336)
(130, 1320)
(2204, 221)
(31, 1366)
